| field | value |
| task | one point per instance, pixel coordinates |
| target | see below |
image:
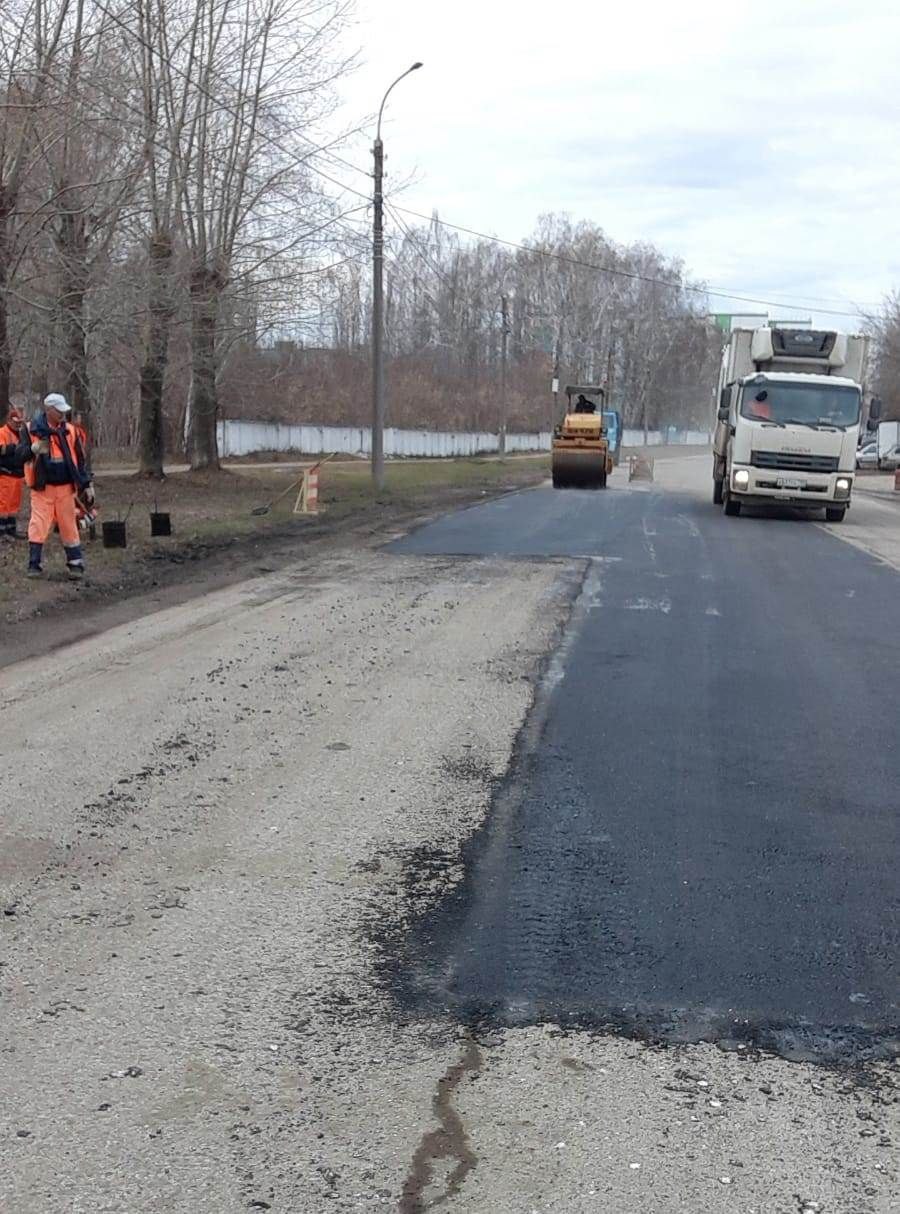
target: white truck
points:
(787, 426)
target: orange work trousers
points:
(55, 504)
(10, 495)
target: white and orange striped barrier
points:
(308, 498)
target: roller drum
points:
(579, 469)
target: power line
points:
(129, 209)
(412, 236)
(167, 61)
(688, 288)
(696, 289)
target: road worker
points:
(76, 421)
(56, 470)
(12, 472)
(760, 407)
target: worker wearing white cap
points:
(57, 470)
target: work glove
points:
(87, 495)
(40, 446)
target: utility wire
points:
(697, 289)
(129, 209)
(689, 288)
(220, 104)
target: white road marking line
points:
(690, 524)
(641, 604)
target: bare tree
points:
(169, 246)
(31, 35)
(252, 62)
(884, 328)
(167, 63)
(91, 164)
(580, 306)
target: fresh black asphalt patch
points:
(700, 839)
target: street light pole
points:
(378, 298)
(504, 346)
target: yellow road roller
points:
(580, 457)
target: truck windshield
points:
(801, 404)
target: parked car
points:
(867, 456)
(890, 460)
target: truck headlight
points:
(842, 486)
(741, 479)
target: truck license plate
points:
(790, 484)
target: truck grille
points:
(792, 462)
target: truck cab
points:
(612, 420)
(788, 420)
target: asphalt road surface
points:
(702, 844)
(551, 874)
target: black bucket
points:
(160, 524)
(114, 535)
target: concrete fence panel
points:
(237, 438)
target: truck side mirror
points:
(723, 413)
(875, 409)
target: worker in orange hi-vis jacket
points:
(12, 472)
(56, 470)
(77, 423)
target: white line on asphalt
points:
(641, 604)
(690, 524)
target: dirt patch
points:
(217, 540)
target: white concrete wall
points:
(657, 438)
(244, 438)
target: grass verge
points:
(213, 522)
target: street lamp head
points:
(415, 67)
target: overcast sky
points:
(759, 142)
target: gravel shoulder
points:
(200, 807)
(217, 538)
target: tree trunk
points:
(156, 357)
(5, 351)
(203, 447)
(73, 247)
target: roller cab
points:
(581, 456)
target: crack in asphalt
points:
(448, 1142)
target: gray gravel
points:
(189, 817)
